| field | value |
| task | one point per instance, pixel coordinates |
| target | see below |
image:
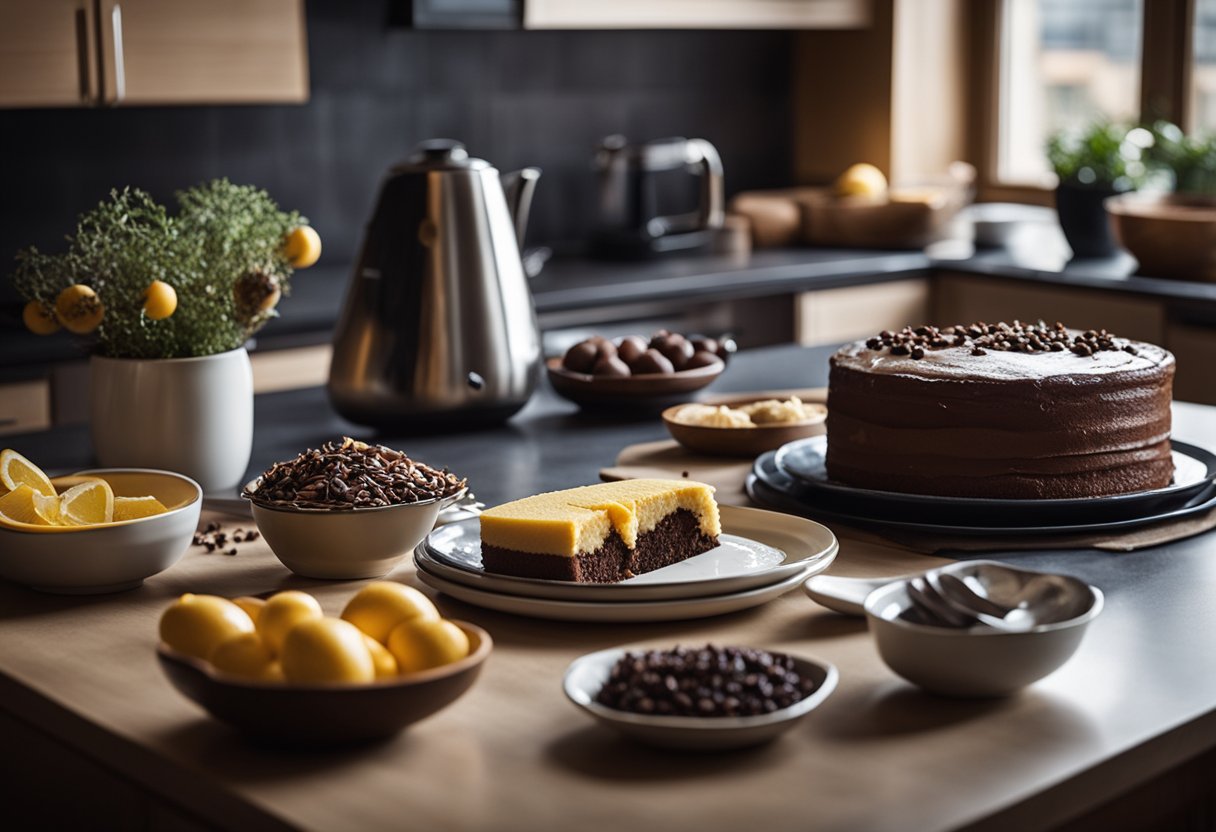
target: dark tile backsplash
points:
(515, 98)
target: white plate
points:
(759, 548)
(615, 611)
(587, 675)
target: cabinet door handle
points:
(120, 68)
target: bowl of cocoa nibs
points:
(698, 698)
(349, 509)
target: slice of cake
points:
(600, 533)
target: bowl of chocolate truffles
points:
(698, 698)
(348, 509)
(635, 372)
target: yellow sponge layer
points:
(580, 519)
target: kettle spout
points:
(519, 185)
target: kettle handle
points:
(518, 186)
(713, 210)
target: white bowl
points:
(346, 544)
(978, 661)
(587, 675)
(88, 560)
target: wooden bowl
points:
(1169, 236)
(326, 715)
(747, 442)
(652, 391)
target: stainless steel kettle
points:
(438, 327)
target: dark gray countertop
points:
(1037, 254)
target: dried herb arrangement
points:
(145, 283)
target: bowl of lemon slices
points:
(95, 531)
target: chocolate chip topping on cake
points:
(981, 337)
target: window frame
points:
(1166, 53)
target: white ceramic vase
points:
(189, 415)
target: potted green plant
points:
(1093, 165)
(166, 303)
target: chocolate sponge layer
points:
(677, 537)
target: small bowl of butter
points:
(744, 427)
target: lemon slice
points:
(86, 504)
(25, 505)
(132, 508)
(16, 470)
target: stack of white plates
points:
(762, 556)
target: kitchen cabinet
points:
(133, 52)
(833, 316)
(696, 14)
(25, 406)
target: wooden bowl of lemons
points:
(97, 531)
(281, 671)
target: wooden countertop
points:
(1137, 699)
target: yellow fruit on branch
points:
(39, 318)
(160, 300)
(302, 246)
(79, 309)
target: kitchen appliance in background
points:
(438, 326)
(636, 181)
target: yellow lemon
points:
(252, 606)
(420, 644)
(861, 180)
(246, 656)
(86, 504)
(25, 505)
(16, 470)
(133, 508)
(79, 309)
(327, 650)
(282, 612)
(380, 606)
(197, 624)
(39, 318)
(160, 300)
(382, 660)
(302, 246)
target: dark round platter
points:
(773, 488)
(803, 461)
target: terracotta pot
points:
(189, 415)
(1172, 237)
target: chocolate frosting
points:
(1002, 423)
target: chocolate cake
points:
(600, 533)
(1000, 410)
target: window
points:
(1065, 64)
(1203, 77)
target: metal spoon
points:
(959, 593)
(846, 595)
(927, 600)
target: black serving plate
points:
(1195, 471)
(772, 488)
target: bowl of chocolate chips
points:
(698, 698)
(638, 373)
(349, 509)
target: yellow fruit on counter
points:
(325, 650)
(16, 470)
(861, 180)
(133, 508)
(25, 505)
(79, 309)
(420, 644)
(87, 504)
(160, 300)
(282, 613)
(382, 660)
(247, 656)
(197, 624)
(252, 606)
(381, 606)
(39, 318)
(302, 246)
